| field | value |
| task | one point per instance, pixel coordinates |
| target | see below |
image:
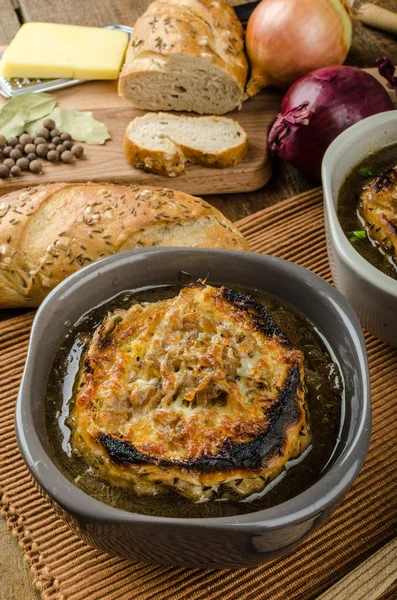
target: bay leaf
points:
(11, 125)
(80, 124)
(24, 108)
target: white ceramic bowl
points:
(372, 293)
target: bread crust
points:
(154, 161)
(48, 232)
(172, 164)
(208, 29)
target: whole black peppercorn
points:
(42, 150)
(15, 171)
(35, 166)
(4, 172)
(67, 144)
(53, 156)
(23, 163)
(12, 141)
(67, 156)
(31, 156)
(15, 154)
(30, 148)
(25, 139)
(51, 146)
(20, 148)
(9, 162)
(49, 124)
(7, 150)
(3, 140)
(43, 132)
(61, 148)
(65, 136)
(56, 140)
(39, 140)
(55, 133)
(78, 150)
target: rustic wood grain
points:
(107, 163)
(87, 12)
(286, 181)
(9, 23)
(83, 12)
(15, 579)
(370, 579)
(368, 44)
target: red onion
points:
(387, 70)
(317, 108)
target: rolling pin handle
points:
(378, 17)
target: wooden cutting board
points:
(107, 162)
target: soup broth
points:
(325, 401)
(348, 202)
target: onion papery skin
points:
(317, 108)
(288, 38)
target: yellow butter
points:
(50, 50)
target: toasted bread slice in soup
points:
(202, 394)
(378, 209)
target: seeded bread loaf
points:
(186, 56)
(49, 232)
(162, 143)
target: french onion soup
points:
(196, 396)
(367, 209)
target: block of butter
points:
(51, 51)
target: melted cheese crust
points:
(168, 389)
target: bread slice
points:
(186, 56)
(162, 143)
(182, 83)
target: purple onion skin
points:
(330, 100)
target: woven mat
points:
(64, 567)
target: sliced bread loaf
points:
(162, 143)
(186, 56)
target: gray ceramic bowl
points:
(238, 541)
(372, 293)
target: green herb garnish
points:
(366, 171)
(357, 235)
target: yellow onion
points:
(288, 38)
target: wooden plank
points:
(286, 181)
(83, 12)
(9, 23)
(16, 580)
(370, 579)
(86, 12)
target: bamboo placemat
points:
(64, 568)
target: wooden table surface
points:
(368, 44)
